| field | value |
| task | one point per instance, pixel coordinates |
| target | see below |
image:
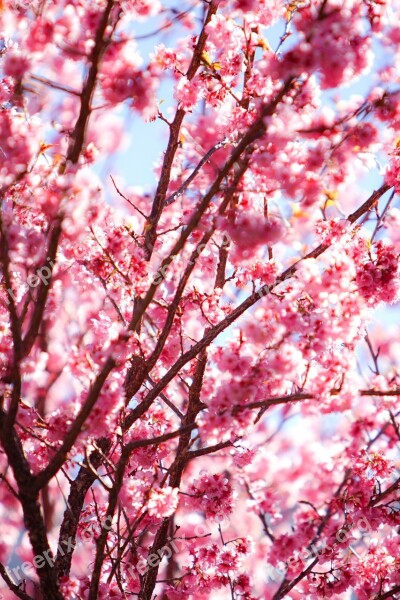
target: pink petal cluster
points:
(163, 502)
(199, 291)
(378, 280)
(212, 494)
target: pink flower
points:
(16, 64)
(392, 175)
(142, 8)
(163, 502)
(167, 58)
(40, 34)
(250, 231)
(213, 494)
(188, 93)
(372, 465)
(378, 280)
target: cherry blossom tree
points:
(200, 378)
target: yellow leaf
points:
(331, 194)
(290, 10)
(331, 197)
(57, 159)
(43, 145)
(293, 6)
(263, 43)
(205, 57)
(299, 212)
(329, 203)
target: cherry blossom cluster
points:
(208, 362)
(378, 280)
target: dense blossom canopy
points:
(200, 377)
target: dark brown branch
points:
(15, 325)
(329, 512)
(193, 174)
(15, 330)
(368, 204)
(166, 25)
(283, 590)
(304, 396)
(79, 488)
(272, 402)
(113, 498)
(167, 400)
(215, 331)
(13, 587)
(44, 288)
(173, 142)
(100, 44)
(209, 449)
(127, 199)
(54, 85)
(102, 539)
(13, 449)
(196, 253)
(378, 497)
(176, 471)
(286, 585)
(254, 132)
(33, 518)
(135, 376)
(380, 392)
(221, 267)
(389, 594)
(261, 516)
(62, 454)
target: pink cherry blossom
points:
(199, 247)
(163, 502)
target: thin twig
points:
(189, 180)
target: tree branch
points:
(15, 374)
(209, 449)
(176, 471)
(378, 497)
(254, 132)
(173, 142)
(193, 174)
(282, 591)
(79, 487)
(13, 587)
(388, 594)
(113, 498)
(215, 331)
(33, 518)
(44, 288)
(61, 455)
(368, 204)
(78, 135)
